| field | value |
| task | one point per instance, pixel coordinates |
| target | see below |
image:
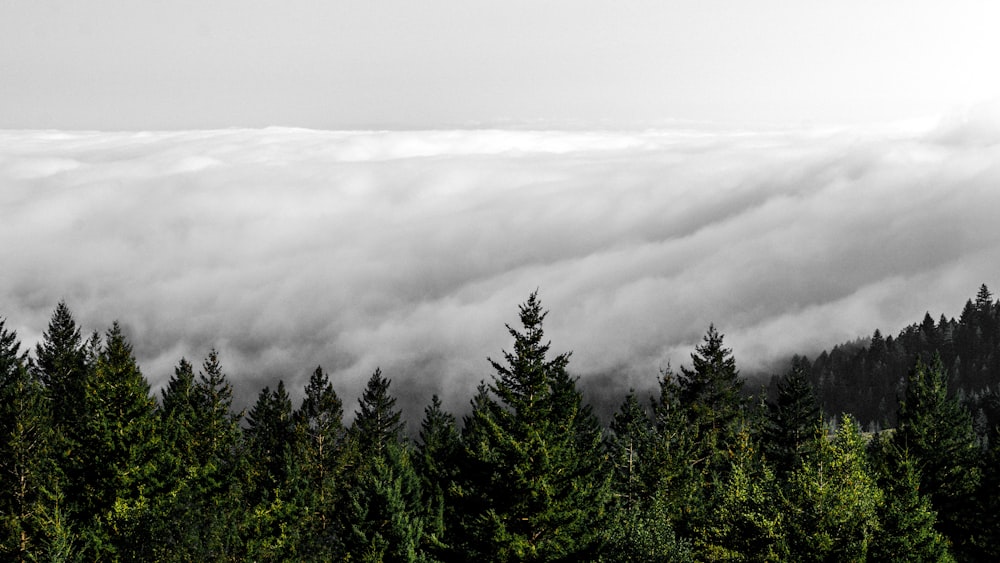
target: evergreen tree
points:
(269, 431)
(320, 458)
(28, 492)
(119, 442)
(627, 446)
(536, 459)
(792, 420)
(710, 395)
(437, 464)
(385, 515)
(385, 519)
(832, 500)
(906, 515)
(747, 523)
(937, 432)
(197, 519)
(378, 422)
(61, 365)
(271, 511)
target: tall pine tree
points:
(536, 461)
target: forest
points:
(883, 449)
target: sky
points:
(380, 184)
(397, 64)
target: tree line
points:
(95, 468)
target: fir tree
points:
(792, 420)
(832, 500)
(197, 519)
(710, 395)
(27, 464)
(536, 458)
(906, 516)
(269, 432)
(378, 422)
(747, 523)
(437, 464)
(119, 447)
(937, 432)
(385, 515)
(320, 458)
(61, 365)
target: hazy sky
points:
(799, 173)
(323, 64)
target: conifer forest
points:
(881, 449)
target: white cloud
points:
(410, 250)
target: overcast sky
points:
(363, 184)
(334, 64)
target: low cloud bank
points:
(290, 248)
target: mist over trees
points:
(94, 466)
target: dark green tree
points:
(437, 461)
(710, 395)
(937, 432)
(378, 422)
(272, 511)
(269, 432)
(119, 444)
(640, 515)
(28, 494)
(535, 459)
(61, 365)
(198, 518)
(792, 419)
(320, 460)
(906, 516)
(628, 446)
(385, 513)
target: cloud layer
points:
(290, 248)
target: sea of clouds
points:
(410, 250)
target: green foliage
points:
(317, 470)
(747, 523)
(385, 521)
(534, 471)
(792, 420)
(378, 422)
(27, 465)
(91, 469)
(832, 500)
(936, 431)
(437, 464)
(908, 533)
(197, 517)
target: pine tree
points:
(119, 442)
(747, 523)
(937, 432)
(437, 464)
(269, 431)
(906, 516)
(536, 458)
(320, 458)
(792, 420)
(27, 461)
(832, 500)
(628, 446)
(377, 421)
(384, 519)
(197, 519)
(710, 395)
(61, 365)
